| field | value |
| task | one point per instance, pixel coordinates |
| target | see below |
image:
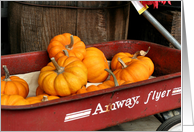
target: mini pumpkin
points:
(64, 77)
(96, 62)
(66, 41)
(47, 98)
(13, 100)
(82, 90)
(39, 91)
(36, 99)
(133, 71)
(112, 83)
(92, 88)
(41, 98)
(127, 58)
(11, 85)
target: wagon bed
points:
(99, 109)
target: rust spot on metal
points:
(112, 94)
(107, 109)
(179, 100)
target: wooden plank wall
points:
(31, 27)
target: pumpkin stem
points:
(59, 68)
(70, 46)
(141, 52)
(122, 63)
(45, 98)
(135, 55)
(114, 77)
(66, 53)
(6, 73)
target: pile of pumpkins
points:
(72, 66)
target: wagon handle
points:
(142, 10)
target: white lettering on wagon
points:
(153, 95)
(156, 95)
(130, 103)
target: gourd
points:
(11, 85)
(96, 62)
(127, 58)
(13, 100)
(66, 41)
(63, 77)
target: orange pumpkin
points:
(39, 91)
(41, 98)
(133, 71)
(92, 88)
(112, 83)
(11, 85)
(36, 99)
(66, 41)
(82, 90)
(13, 100)
(115, 64)
(66, 61)
(127, 58)
(64, 77)
(47, 98)
(96, 62)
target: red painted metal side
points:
(24, 62)
(103, 108)
(52, 117)
(166, 60)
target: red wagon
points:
(100, 109)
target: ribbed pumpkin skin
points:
(127, 57)
(82, 90)
(115, 64)
(39, 91)
(92, 88)
(16, 85)
(134, 72)
(38, 99)
(106, 84)
(148, 63)
(96, 62)
(59, 43)
(71, 61)
(13, 100)
(110, 83)
(64, 83)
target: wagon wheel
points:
(171, 124)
